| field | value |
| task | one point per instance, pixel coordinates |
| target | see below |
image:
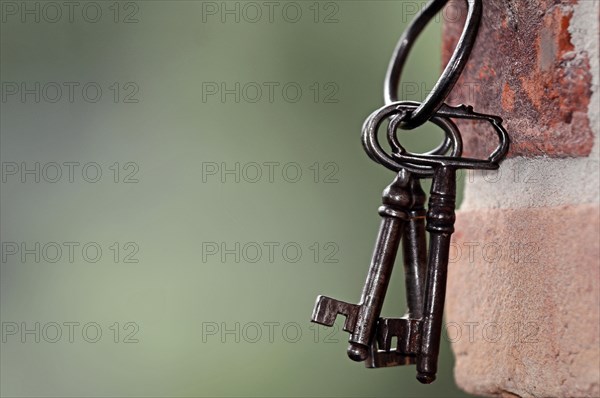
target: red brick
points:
(525, 68)
(533, 275)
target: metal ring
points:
(392, 137)
(453, 70)
(419, 170)
(375, 151)
(397, 120)
(466, 112)
(458, 162)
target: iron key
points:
(406, 329)
(361, 319)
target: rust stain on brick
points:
(525, 68)
(508, 98)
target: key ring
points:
(400, 110)
(451, 73)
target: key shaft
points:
(373, 295)
(440, 225)
(397, 199)
(415, 252)
(361, 319)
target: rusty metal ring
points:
(453, 70)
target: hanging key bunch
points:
(404, 216)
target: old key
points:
(361, 319)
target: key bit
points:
(406, 331)
(361, 319)
(327, 309)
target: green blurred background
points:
(186, 303)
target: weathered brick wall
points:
(523, 307)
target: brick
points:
(525, 68)
(532, 274)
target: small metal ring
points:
(392, 138)
(397, 120)
(375, 151)
(453, 70)
(397, 148)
